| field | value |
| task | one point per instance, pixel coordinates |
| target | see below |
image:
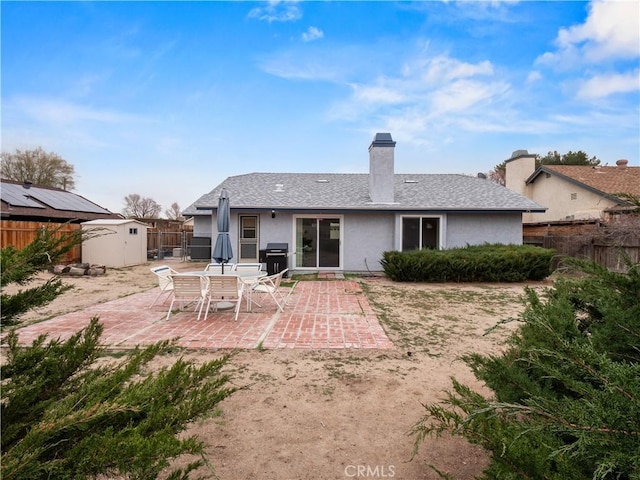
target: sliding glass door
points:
(318, 242)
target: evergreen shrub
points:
(566, 392)
(478, 263)
(67, 415)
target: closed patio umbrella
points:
(222, 250)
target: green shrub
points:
(65, 417)
(480, 263)
(566, 401)
(21, 266)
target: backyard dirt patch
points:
(340, 414)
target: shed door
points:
(132, 245)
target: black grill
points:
(276, 256)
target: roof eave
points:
(390, 208)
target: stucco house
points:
(344, 222)
(570, 192)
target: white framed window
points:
(133, 231)
(418, 232)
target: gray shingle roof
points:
(339, 191)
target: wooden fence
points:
(21, 233)
(160, 243)
(610, 255)
(604, 248)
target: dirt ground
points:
(340, 414)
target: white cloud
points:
(600, 86)
(277, 11)
(611, 31)
(428, 97)
(377, 94)
(289, 67)
(441, 84)
(534, 76)
(312, 33)
(442, 68)
(63, 112)
(463, 95)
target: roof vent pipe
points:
(27, 184)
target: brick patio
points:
(332, 314)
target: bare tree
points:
(39, 167)
(498, 174)
(174, 213)
(139, 207)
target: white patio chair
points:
(248, 266)
(270, 285)
(189, 289)
(165, 283)
(217, 267)
(224, 288)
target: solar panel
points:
(65, 201)
(15, 195)
(18, 196)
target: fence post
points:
(160, 250)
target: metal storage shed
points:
(119, 243)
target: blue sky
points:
(167, 99)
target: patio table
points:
(248, 277)
(242, 274)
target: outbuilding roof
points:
(337, 191)
(114, 221)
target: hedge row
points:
(478, 263)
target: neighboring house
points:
(345, 222)
(27, 208)
(33, 203)
(571, 192)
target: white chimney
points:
(381, 174)
(517, 169)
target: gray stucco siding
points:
(365, 237)
(202, 226)
(274, 230)
(475, 229)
